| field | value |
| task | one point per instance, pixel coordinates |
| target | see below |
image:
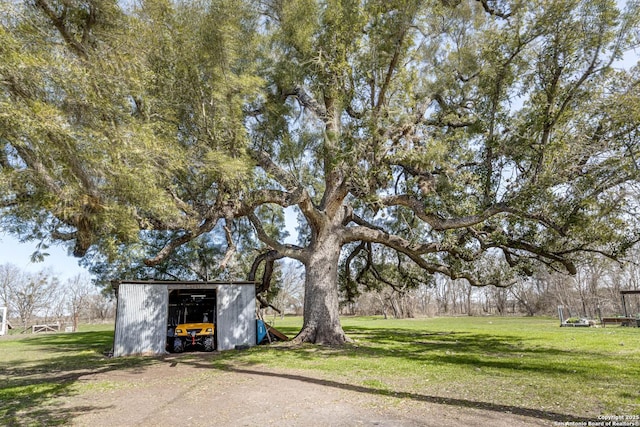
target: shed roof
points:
(187, 282)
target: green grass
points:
(527, 366)
(37, 370)
(518, 364)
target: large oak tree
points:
(436, 135)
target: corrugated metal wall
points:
(236, 316)
(141, 319)
(3, 320)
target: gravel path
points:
(190, 392)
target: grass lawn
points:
(527, 366)
(519, 363)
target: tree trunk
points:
(321, 310)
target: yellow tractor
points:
(192, 335)
(190, 325)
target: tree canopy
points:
(472, 139)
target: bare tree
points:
(30, 294)
(100, 307)
(530, 294)
(9, 273)
(78, 290)
(424, 295)
(442, 290)
(290, 298)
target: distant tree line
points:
(594, 291)
(42, 298)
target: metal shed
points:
(4, 322)
(144, 308)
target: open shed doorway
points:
(191, 320)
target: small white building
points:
(148, 310)
(4, 322)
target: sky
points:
(59, 261)
(65, 266)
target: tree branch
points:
(290, 251)
(309, 102)
(261, 197)
(540, 252)
(492, 11)
(413, 251)
(58, 22)
(268, 258)
(284, 178)
(438, 223)
(188, 236)
(38, 167)
(393, 64)
(231, 246)
(351, 293)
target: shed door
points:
(141, 319)
(236, 316)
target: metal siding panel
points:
(3, 320)
(236, 323)
(141, 319)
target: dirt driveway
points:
(182, 391)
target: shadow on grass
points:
(479, 351)
(469, 350)
(43, 370)
(31, 389)
(204, 363)
(460, 403)
(506, 356)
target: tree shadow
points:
(464, 349)
(470, 351)
(33, 403)
(476, 351)
(32, 390)
(537, 414)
